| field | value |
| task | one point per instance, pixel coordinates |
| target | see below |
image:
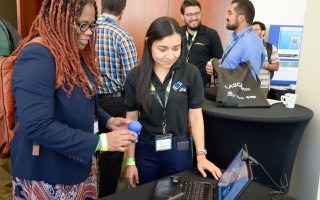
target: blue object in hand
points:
(135, 126)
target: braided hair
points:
(56, 24)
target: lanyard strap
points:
(234, 42)
(164, 106)
(190, 43)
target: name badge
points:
(163, 142)
(95, 127)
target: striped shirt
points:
(264, 74)
(117, 55)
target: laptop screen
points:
(235, 179)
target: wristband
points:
(131, 161)
(100, 143)
(104, 142)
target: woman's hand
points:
(119, 140)
(132, 175)
(204, 164)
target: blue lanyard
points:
(234, 42)
(164, 106)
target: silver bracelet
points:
(202, 150)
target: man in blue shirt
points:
(244, 44)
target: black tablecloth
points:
(277, 113)
(272, 135)
(254, 191)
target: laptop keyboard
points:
(195, 190)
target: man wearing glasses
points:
(117, 55)
(200, 42)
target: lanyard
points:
(166, 97)
(189, 43)
(233, 44)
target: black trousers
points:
(110, 163)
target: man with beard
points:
(244, 44)
(200, 42)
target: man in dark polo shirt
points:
(200, 42)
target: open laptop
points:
(230, 186)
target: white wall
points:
(284, 12)
(305, 179)
(305, 175)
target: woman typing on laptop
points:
(163, 92)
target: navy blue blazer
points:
(62, 125)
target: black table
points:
(271, 134)
(254, 191)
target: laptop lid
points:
(236, 178)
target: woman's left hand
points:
(204, 164)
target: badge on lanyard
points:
(95, 126)
(163, 142)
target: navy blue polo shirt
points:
(186, 92)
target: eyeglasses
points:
(85, 26)
(256, 29)
(196, 14)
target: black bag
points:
(210, 93)
(237, 87)
(269, 53)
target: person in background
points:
(162, 93)
(9, 38)
(54, 87)
(201, 43)
(271, 61)
(117, 55)
(244, 44)
(4, 41)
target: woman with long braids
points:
(54, 86)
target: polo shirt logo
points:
(177, 85)
(183, 89)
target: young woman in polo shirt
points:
(163, 92)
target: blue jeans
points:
(154, 165)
